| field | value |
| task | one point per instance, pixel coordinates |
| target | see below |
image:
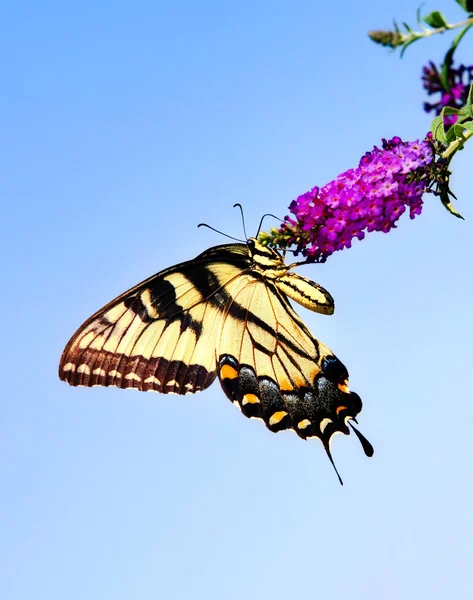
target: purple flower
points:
(371, 197)
(455, 96)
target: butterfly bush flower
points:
(388, 182)
(455, 96)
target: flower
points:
(371, 197)
(455, 95)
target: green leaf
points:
(449, 206)
(419, 15)
(445, 70)
(438, 127)
(455, 132)
(468, 125)
(469, 101)
(438, 130)
(449, 110)
(467, 5)
(413, 39)
(458, 38)
(448, 59)
(436, 20)
(467, 112)
(463, 115)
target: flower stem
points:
(456, 145)
(430, 32)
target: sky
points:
(124, 125)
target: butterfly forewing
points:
(160, 335)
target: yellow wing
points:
(272, 367)
(160, 335)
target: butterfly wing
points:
(160, 335)
(273, 368)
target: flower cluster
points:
(369, 198)
(455, 96)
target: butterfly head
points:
(265, 258)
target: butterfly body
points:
(225, 313)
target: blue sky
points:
(126, 125)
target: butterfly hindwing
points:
(275, 370)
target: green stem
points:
(456, 145)
(430, 32)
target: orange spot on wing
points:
(228, 372)
(285, 385)
(340, 408)
(344, 387)
(250, 399)
(288, 386)
(277, 417)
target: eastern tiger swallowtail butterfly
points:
(227, 314)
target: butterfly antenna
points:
(329, 454)
(220, 232)
(367, 447)
(242, 218)
(263, 218)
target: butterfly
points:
(224, 314)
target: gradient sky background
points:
(125, 125)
